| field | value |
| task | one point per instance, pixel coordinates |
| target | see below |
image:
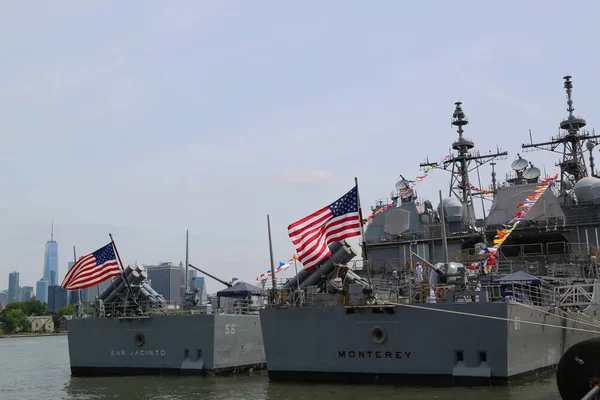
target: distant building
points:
(4, 296)
(198, 282)
(57, 297)
(73, 293)
(41, 290)
(182, 272)
(191, 275)
(26, 293)
(1, 306)
(91, 293)
(41, 324)
(182, 280)
(51, 260)
(166, 280)
(13, 287)
(62, 322)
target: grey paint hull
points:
(334, 343)
(181, 344)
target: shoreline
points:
(29, 335)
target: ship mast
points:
(460, 164)
(572, 166)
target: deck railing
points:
(389, 292)
(141, 309)
(580, 295)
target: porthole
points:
(138, 339)
(378, 335)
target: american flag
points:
(92, 269)
(337, 221)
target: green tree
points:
(66, 310)
(14, 320)
(29, 307)
(17, 305)
(36, 307)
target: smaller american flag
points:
(92, 269)
(337, 221)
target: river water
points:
(38, 368)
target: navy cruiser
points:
(479, 312)
(132, 329)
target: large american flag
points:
(92, 269)
(337, 221)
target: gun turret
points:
(451, 273)
(435, 268)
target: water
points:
(38, 368)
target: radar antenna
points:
(572, 166)
(402, 190)
(460, 164)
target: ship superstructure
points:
(411, 225)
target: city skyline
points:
(41, 291)
(51, 253)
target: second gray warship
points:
(469, 318)
(133, 330)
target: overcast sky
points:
(144, 119)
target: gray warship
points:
(131, 329)
(378, 320)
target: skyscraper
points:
(57, 297)
(41, 290)
(51, 260)
(198, 282)
(13, 286)
(192, 273)
(73, 293)
(166, 280)
(26, 293)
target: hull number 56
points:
(230, 329)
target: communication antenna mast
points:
(460, 164)
(572, 166)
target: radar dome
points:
(595, 189)
(583, 189)
(453, 209)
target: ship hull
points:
(405, 344)
(169, 344)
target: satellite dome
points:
(519, 164)
(595, 190)
(453, 209)
(583, 189)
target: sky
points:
(145, 121)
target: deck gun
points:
(192, 298)
(451, 273)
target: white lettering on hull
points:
(133, 353)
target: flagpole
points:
(78, 308)
(187, 263)
(274, 283)
(296, 268)
(121, 266)
(362, 233)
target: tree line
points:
(14, 318)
